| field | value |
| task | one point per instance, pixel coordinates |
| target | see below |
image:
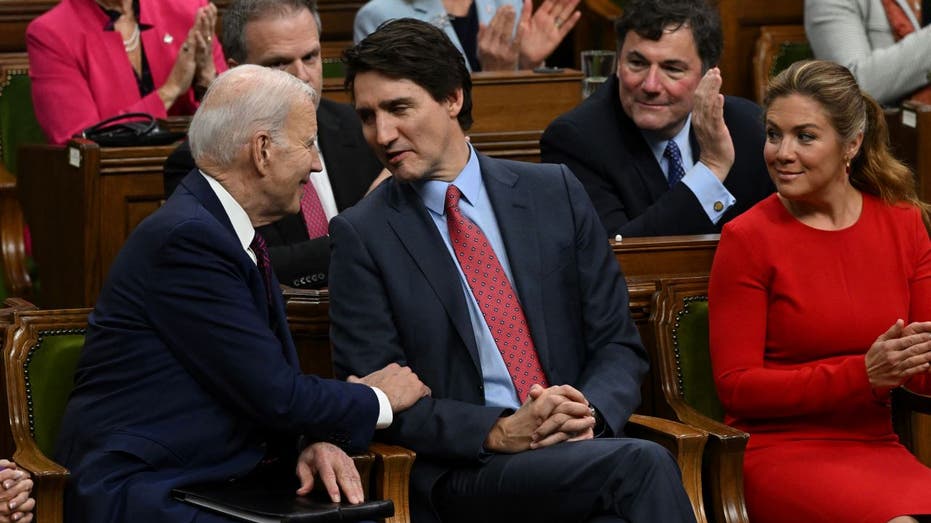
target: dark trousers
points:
(601, 480)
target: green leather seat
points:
(690, 335)
(49, 376)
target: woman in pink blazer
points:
(90, 60)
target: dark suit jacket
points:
(396, 296)
(351, 168)
(188, 373)
(604, 148)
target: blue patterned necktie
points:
(674, 161)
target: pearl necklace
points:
(132, 43)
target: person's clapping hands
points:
(194, 58)
(498, 46)
(714, 138)
(203, 29)
(540, 31)
(15, 488)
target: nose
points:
(651, 82)
(386, 131)
(785, 151)
(300, 70)
(315, 164)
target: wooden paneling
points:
(740, 22)
(910, 136)
(81, 202)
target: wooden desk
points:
(81, 202)
(510, 109)
(644, 260)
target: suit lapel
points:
(275, 313)
(519, 226)
(641, 156)
(417, 232)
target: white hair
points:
(241, 101)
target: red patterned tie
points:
(495, 296)
(264, 262)
(312, 209)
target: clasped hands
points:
(501, 48)
(548, 416)
(194, 64)
(898, 354)
(15, 503)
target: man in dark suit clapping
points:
(659, 150)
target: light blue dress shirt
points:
(475, 205)
(698, 177)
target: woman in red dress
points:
(820, 304)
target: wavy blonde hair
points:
(874, 170)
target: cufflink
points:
(718, 206)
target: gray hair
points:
(241, 101)
(241, 12)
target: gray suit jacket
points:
(856, 34)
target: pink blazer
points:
(81, 74)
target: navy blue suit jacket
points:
(396, 296)
(188, 374)
(605, 149)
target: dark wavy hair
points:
(413, 50)
(649, 18)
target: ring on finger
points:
(558, 22)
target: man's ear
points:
(454, 103)
(261, 149)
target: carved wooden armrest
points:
(49, 480)
(12, 240)
(723, 465)
(392, 478)
(686, 444)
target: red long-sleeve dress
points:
(793, 311)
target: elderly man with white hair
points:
(189, 373)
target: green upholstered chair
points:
(680, 323)
(777, 47)
(39, 356)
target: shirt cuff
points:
(711, 193)
(385, 416)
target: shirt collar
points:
(237, 215)
(469, 182)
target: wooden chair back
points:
(777, 47)
(39, 356)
